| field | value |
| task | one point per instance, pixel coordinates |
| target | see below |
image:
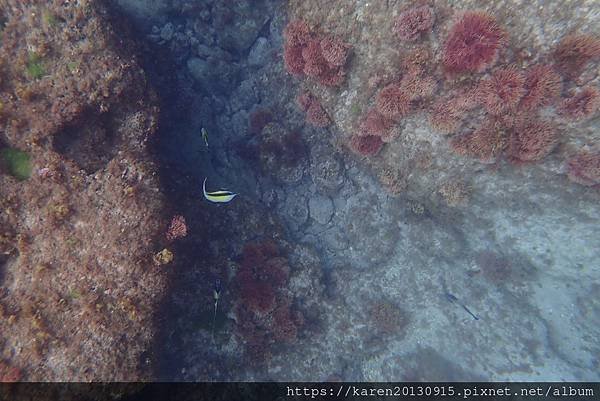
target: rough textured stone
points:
(321, 208)
(259, 53)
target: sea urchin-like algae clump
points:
(414, 22)
(264, 313)
(473, 44)
(366, 145)
(574, 52)
(584, 168)
(502, 92)
(581, 105)
(319, 57)
(315, 114)
(542, 87)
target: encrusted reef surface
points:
(80, 201)
(417, 191)
(417, 188)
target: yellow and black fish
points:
(221, 196)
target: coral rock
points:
(258, 120)
(473, 43)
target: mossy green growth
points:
(17, 162)
(73, 67)
(49, 19)
(35, 67)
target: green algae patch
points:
(35, 67)
(16, 162)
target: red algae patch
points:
(581, 105)
(584, 168)
(473, 43)
(414, 22)
(574, 52)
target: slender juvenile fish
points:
(455, 300)
(204, 136)
(218, 196)
(216, 296)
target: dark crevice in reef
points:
(90, 143)
(183, 196)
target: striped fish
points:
(217, 196)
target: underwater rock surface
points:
(78, 287)
(425, 182)
(417, 191)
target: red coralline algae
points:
(315, 113)
(314, 62)
(258, 296)
(473, 43)
(258, 280)
(258, 119)
(375, 124)
(9, 374)
(366, 145)
(321, 58)
(581, 105)
(334, 51)
(286, 324)
(485, 143)
(531, 140)
(447, 114)
(332, 77)
(304, 100)
(177, 228)
(542, 86)
(297, 33)
(412, 23)
(393, 102)
(417, 86)
(293, 60)
(264, 311)
(317, 116)
(502, 92)
(574, 52)
(584, 168)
